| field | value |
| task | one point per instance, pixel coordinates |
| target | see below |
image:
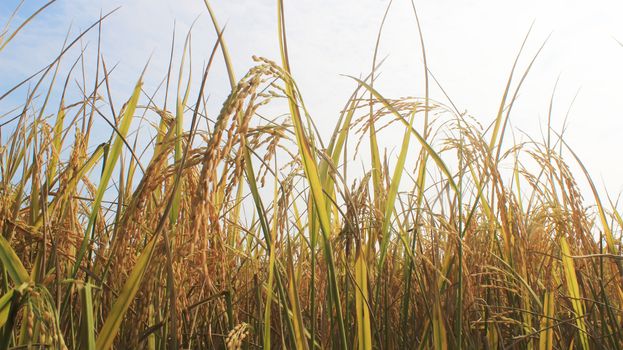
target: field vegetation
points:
(244, 228)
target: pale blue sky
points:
(470, 45)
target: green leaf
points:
(12, 263)
(113, 155)
(5, 306)
(111, 326)
(88, 326)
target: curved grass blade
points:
(111, 160)
(12, 263)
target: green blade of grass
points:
(574, 292)
(88, 326)
(113, 155)
(364, 331)
(546, 337)
(393, 191)
(311, 173)
(107, 334)
(5, 306)
(12, 263)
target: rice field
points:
(244, 228)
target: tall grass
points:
(252, 232)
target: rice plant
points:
(233, 229)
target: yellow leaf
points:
(574, 291)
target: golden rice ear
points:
(236, 336)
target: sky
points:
(470, 49)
